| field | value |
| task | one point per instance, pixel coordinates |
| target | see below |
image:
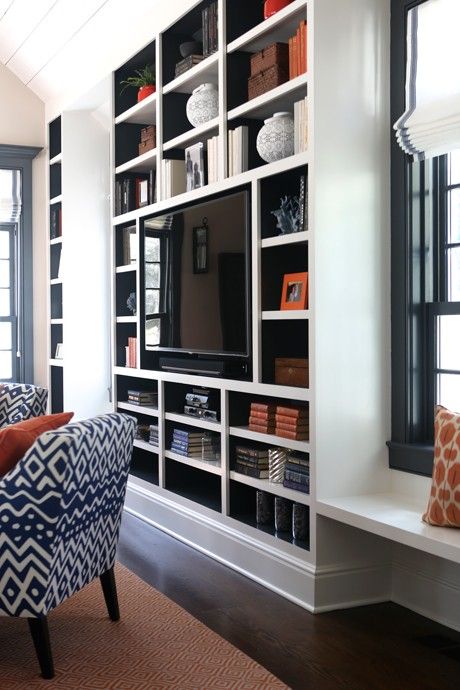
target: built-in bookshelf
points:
(55, 276)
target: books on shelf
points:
(136, 397)
(298, 51)
(153, 435)
(213, 159)
(262, 418)
(194, 167)
(209, 20)
(252, 462)
(301, 126)
(131, 353)
(172, 177)
(238, 150)
(199, 445)
(133, 191)
(55, 221)
(187, 63)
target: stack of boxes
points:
(269, 69)
(148, 139)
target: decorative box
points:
(273, 55)
(277, 458)
(267, 80)
(149, 132)
(145, 146)
(291, 371)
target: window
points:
(8, 316)
(425, 281)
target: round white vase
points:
(203, 104)
(276, 138)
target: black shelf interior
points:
(273, 189)
(243, 509)
(121, 232)
(126, 100)
(56, 301)
(55, 180)
(144, 465)
(175, 397)
(282, 339)
(55, 220)
(55, 137)
(196, 485)
(56, 337)
(175, 120)
(242, 16)
(125, 285)
(57, 390)
(124, 331)
(126, 383)
(127, 140)
(276, 263)
(55, 259)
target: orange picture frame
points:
(295, 291)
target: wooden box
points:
(145, 146)
(276, 54)
(266, 81)
(291, 371)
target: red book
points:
(295, 412)
(299, 428)
(293, 435)
(261, 429)
(305, 47)
(293, 421)
(263, 407)
(294, 56)
(263, 415)
(290, 58)
(266, 423)
(299, 50)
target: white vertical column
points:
(161, 434)
(159, 120)
(222, 71)
(225, 452)
(256, 282)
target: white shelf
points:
(278, 28)
(211, 466)
(56, 322)
(394, 517)
(143, 163)
(193, 135)
(53, 362)
(126, 319)
(56, 200)
(126, 269)
(147, 410)
(292, 238)
(286, 315)
(143, 445)
(56, 159)
(143, 113)
(280, 99)
(270, 439)
(57, 240)
(206, 71)
(193, 421)
(271, 487)
(56, 281)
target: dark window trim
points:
(21, 157)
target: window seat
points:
(394, 517)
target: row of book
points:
(298, 52)
(133, 191)
(238, 148)
(209, 20)
(301, 126)
(193, 444)
(147, 433)
(297, 473)
(146, 398)
(252, 462)
(187, 63)
(281, 420)
(131, 353)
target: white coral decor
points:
(276, 138)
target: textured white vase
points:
(203, 104)
(276, 138)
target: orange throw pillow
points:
(16, 439)
(444, 503)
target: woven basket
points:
(266, 81)
(276, 54)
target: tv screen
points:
(196, 278)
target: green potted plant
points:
(143, 80)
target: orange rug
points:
(156, 645)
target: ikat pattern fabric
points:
(60, 513)
(21, 401)
(444, 503)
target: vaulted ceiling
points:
(48, 43)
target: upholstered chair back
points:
(21, 401)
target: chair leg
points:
(41, 638)
(109, 588)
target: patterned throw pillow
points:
(15, 440)
(444, 503)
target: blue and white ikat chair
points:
(21, 401)
(60, 515)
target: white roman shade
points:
(430, 125)
(10, 196)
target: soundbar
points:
(206, 367)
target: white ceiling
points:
(51, 44)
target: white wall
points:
(22, 122)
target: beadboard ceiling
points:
(48, 43)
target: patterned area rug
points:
(156, 645)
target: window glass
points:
(453, 274)
(453, 211)
(4, 273)
(449, 391)
(6, 371)
(4, 245)
(4, 302)
(152, 332)
(5, 335)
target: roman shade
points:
(10, 196)
(430, 125)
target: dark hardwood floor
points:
(380, 647)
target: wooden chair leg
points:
(109, 588)
(41, 638)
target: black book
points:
(304, 488)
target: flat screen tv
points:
(196, 281)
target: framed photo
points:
(129, 246)
(295, 291)
(59, 351)
(200, 248)
(194, 167)
(143, 193)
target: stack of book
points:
(292, 422)
(213, 159)
(262, 418)
(173, 178)
(252, 462)
(237, 150)
(210, 32)
(153, 434)
(300, 126)
(187, 63)
(148, 398)
(298, 51)
(131, 353)
(191, 444)
(297, 473)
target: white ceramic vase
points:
(276, 138)
(203, 104)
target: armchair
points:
(60, 515)
(21, 401)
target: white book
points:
(296, 126)
(230, 153)
(235, 152)
(245, 160)
(211, 160)
(176, 177)
(216, 158)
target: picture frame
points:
(143, 192)
(129, 246)
(200, 248)
(59, 351)
(295, 291)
